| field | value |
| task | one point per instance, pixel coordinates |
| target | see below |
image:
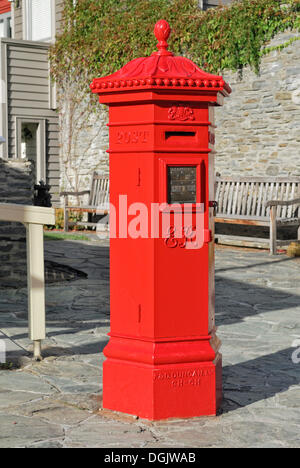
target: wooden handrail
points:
(26, 214)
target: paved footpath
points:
(56, 403)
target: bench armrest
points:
(283, 203)
(74, 194)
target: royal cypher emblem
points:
(181, 112)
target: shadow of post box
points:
(163, 356)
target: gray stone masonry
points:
(16, 182)
(258, 128)
(88, 152)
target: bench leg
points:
(273, 230)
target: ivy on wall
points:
(100, 36)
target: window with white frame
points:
(5, 25)
(39, 20)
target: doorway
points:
(31, 144)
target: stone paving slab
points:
(56, 403)
(8, 347)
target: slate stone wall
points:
(258, 130)
(88, 152)
(258, 127)
(16, 184)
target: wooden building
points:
(28, 117)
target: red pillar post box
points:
(163, 356)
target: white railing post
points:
(36, 286)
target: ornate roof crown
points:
(161, 70)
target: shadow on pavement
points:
(237, 300)
(85, 308)
(254, 265)
(259, 379)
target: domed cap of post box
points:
(162, 70)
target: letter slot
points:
(180, 137)
(180, 134)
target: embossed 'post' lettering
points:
(132, 137)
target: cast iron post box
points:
(163, 356)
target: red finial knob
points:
(162, 32)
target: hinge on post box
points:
(208, 236)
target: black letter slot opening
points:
(179, 134)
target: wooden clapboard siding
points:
(28, 90)
(26, 55)
(30, 80)
(18, 22)
(28, 96)
(31, 61)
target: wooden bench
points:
(258, 201)
(98, 202)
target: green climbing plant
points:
(100, 36)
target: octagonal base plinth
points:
(161, 392)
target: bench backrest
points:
(99, 192)
(248, 196)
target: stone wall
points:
(88, 154)
(16, 183)
(259, 126)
